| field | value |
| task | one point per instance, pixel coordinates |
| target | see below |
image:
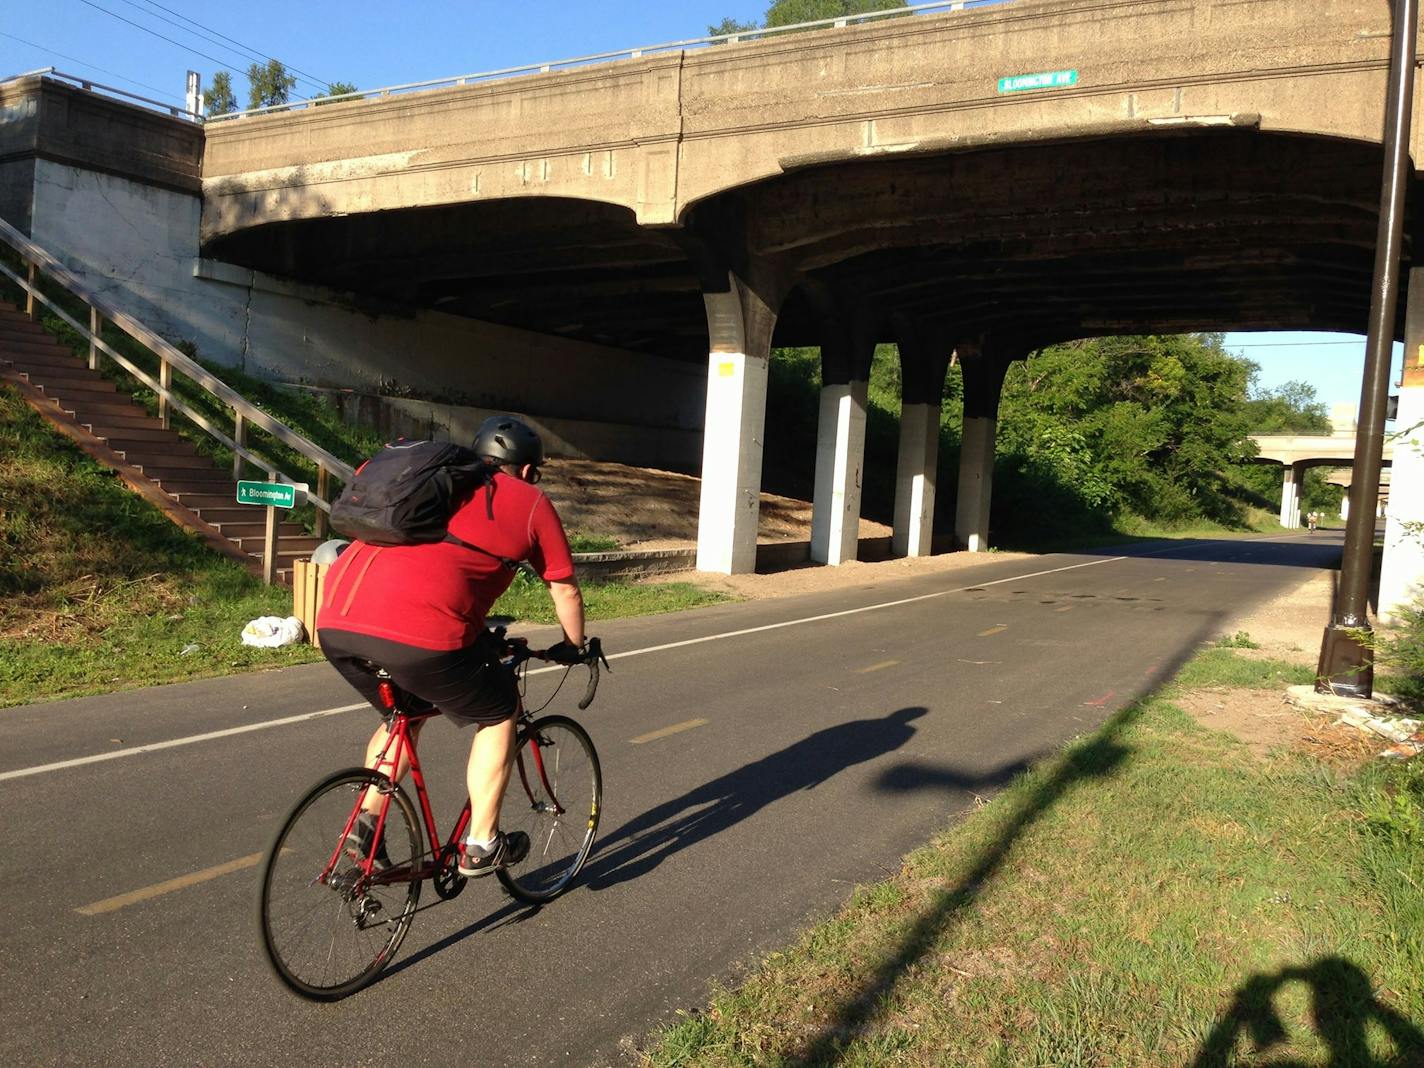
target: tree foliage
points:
(791, 12)
(334, 89)
(220, 99)
(269, 84)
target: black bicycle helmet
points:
(508, 440)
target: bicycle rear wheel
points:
(555, 794)
(328, 933)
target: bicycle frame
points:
(399, 735)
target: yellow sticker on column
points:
(1419, 360)
(726, 368)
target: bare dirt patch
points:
(1260, 718)
(1289, 626)
(646, 509)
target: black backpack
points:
(406, 493)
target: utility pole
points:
(1346, 665)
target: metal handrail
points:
(37, 261)
(91, 85)
(624, 53)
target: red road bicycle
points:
(332, 916)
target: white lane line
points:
(998, 628)
(133, 897)
(676, 728)
(60, 765)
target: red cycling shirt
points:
(436, 596)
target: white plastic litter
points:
(269, 632)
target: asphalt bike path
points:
(759, 761)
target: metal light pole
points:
(1345, 662)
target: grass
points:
(1155, 895)
(100, 592)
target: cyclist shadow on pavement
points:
(1342, 1006)
(644, 842)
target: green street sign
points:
(1048, 79)
(270, 494)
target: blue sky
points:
(377, 44)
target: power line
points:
(212, 35)
(155, 33)
(93, 66)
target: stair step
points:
(39, 346)
(179, 467)
(58, 373)
(137, 426)
(221, 515)
(246, 529)
(175, 484)
(141, 450)
(21, 327)
(148, 458)
(150, 435)
(77, 386)
(283, 553)
(208, 501)
(94, 410)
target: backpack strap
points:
(505, 562)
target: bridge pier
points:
(739, 326)
(924, 359)
(983, 379)
(846, 352)
(1292, 477)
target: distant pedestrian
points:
(1312, 520)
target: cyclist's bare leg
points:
(491, 756)
(372, 802)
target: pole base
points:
(1346, 666)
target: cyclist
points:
(419, 612)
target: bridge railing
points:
(37, 266)
(107, 90)
(936, 6)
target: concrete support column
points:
(840, 463)
(739, 326)
(925, 351)
(976, 482)
(915, 473)
(983, 379)
(1402, 567)
(848, 329)
(1290, 505)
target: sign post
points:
(271, 495)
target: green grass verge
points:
(100, 592)
(1155, 895)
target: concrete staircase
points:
(68, 391)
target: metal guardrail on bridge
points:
(626, 53)
(108, 90)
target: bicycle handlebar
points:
(518, 650)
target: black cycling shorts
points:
(468, 685)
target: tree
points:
(790, 12)
(220, 98)
(730, 25)
(334, 89)
(269, 84)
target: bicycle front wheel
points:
(555, 794)
(328, 927)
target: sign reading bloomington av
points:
(271, 494)
(1048, 79)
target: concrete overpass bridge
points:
(978, 182)
(1297, 453)
(1204, 165)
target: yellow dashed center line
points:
(993, 630)
(133, 897)
(1065, 608)
(676, 728)
(876, 667)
